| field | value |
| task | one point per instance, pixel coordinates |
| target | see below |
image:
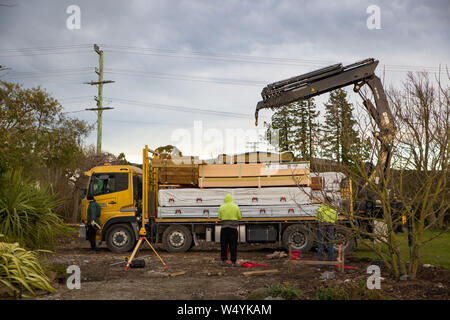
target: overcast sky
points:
(169, 57)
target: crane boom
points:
(330, 78)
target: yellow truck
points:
(181, 217)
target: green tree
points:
(35, 134)
(297, 128)
(341, 140)
(306, 137)
(40, 140)
(169, 149)
(282, 121)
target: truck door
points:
(111, 193)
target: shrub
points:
(20, 270)
(26, 212)
(350, 292)
(333, 293)
(285, 290)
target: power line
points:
(60, 47)
(18, 52)
(77, 111)
(246, 58)
(181, 108)
(166, 107)
(185, 77)
(134, 122)
(30, 75)
(199, 55)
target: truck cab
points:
(118, 191)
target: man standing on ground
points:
(229, 214)
(93, 215)
(326, 218)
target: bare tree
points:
(415, 188)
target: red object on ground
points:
(296, 254)
(346, 267)
(251, 264)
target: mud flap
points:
(135, 227)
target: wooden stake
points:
(259, 273)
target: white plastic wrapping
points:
(241, 196)
(308, 210)
(332, 180)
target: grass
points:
(284, 290)
(357, 291)
(435, 252)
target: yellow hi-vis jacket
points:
(229, 210)
(326, 214)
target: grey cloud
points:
(413, 33)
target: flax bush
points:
(27, 212)
(20, 271)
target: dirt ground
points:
(206, 279)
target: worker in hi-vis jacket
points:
(326, 217)
(229, 214)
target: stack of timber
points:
(253, 202)
(326, 184)
(254, 157)
(192, 197)
(181, 171)
(184, 170)
(307, 210)
(254, 175)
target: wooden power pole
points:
(99, 98)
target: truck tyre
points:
(177, 238)
(344, 238)
(298, 237)
(120, 238)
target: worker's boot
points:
(234, 264)
(224, 263)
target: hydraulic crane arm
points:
(330, 78)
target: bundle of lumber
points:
(177, 170)
(255, 157)
(195, 197)
(254, 175)
(317, 183)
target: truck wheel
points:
(177, 239)
(345, 239)
(298, 237)
(120, 238)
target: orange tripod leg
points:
(165, 265)
(135, 250)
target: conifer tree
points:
(298, 126)
(340, 140)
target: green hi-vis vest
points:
(326, 214)
(229, 210)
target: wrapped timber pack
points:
(188, 197)
(259, 211)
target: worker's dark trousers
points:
(91, 233)
(228, 239)
(325, 236)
